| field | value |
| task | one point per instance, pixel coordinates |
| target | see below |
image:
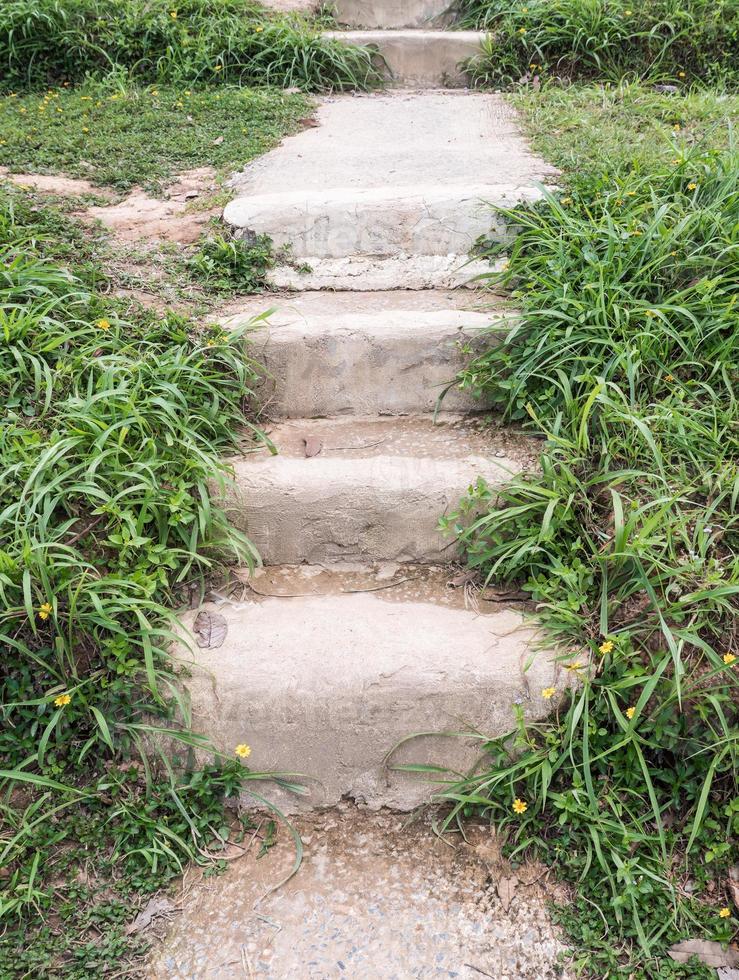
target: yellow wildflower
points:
(45, 610)
(630, 712)
(548, 692)
(724, 913)
(565, 200)
(522, 30)
(669, 378)
(676, 127)
(218, 68)
(606, 646)
(62, 701)
(728, 659)
(243, 751)
(681, 74)
(519, 806)
(628, 13)
(258, 30)
(85, 129)
(574, 666)
(173, 14)
(692, 186)
(103, 324)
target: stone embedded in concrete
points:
(327, 685)
(389, 14)
(325, 361)
(374, 491)
(421, 272)
(379, 221)
(420, 58)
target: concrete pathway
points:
(357, 633)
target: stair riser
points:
(326, 686)
(389, 14)
(381, 223)
(356, 372)
(419, 59)
(326, 509)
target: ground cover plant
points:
(49, 42)
(115, 424)
(662, 40)
(119, 134)
(625, 360)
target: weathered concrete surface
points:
(418, 58)
(327, 358)
(393, 13)
(406, 139)
(375, 899)
(327, 685)
(379, 221)
(361, 272)
(371, 489)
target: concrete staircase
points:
(350, 638)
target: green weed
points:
(677, 41)
(625, 360)
(48, 42)
(232, 265)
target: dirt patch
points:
(57, 184)
(374, 897)
(174, 218)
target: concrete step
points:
(381, 222)
(388, 191)
(389, 14)
(374, 491)
(331, 354)
(322, 673)
(420, 58)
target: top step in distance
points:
(419, 58)
(392, 14)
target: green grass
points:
(625, 360)
(49, 42)
(115, 427)
(120, 135)
(676, 41)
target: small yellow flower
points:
(522, 30)
(188, 92)
(692, 186)
(631, 193)
(669, 378)
(606, 646)
(519, 806)
(565, 200)
(22, 109)
(258, 30)
(218, 68)
(548, 692)
(724, 913)
(676, 127)
(630, 712)
(85, 129)
(676, 160)
(681, 74)
(103, 324)
(243, 751)
(173, 14)
(45, 610)
(628, 13)
(62, 701)
(576, 665)
(728, 659)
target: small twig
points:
(299, 595)
(471, 966)
(366, 445)
(85, 530)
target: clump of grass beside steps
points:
(662, 40)
(625, 362)
(48, 42)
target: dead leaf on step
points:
(308, 123)
(459, 580)
(506, 891)
(311, 446)
(710, 953)
(210, 630)
(154, 908)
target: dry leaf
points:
(460, 580)
(155, 907)
(210, 630)
(218, 140)
(710, 953)
(308, 123)
(506, 891)
(312, 446)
